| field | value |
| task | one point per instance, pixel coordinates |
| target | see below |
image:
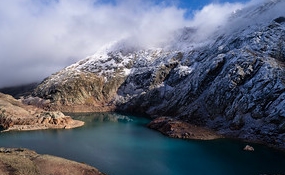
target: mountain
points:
(232, 80)
(19, 91)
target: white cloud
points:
(39, 37)
(211, 17)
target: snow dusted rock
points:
(234, 82)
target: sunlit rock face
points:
(232, 82)
(16, 115)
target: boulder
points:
(248, 148)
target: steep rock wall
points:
(237, 88)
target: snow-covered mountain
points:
(231, 80)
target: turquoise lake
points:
(122, 145)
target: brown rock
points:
(77, 92)
(180, 129)
(27, 162)
(14, 115)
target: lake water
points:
(122, 145)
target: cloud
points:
(40, 37)
(212, 17)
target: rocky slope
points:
(233, 82)
(15, 115)
(27, 162)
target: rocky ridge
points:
(15, 115)
(232, 83)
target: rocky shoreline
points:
(176, 128)
(64, 123)
(27, 162)
(179, 129)
(17, 116)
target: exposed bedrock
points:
(27, 162)
(15, 115)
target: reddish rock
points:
(14, 115)
(180, 129)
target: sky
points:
(40, 37)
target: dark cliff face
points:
(237, 89)
(235, 83)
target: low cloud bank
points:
(41, 37)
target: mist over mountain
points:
(42, 37)
(229, 79)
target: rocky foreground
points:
(18, 116)
(20, 161)
(15, 115)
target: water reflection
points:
(101, 117)
(122, 145)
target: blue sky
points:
(191, 5)
(198, 4)
(40, 37)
